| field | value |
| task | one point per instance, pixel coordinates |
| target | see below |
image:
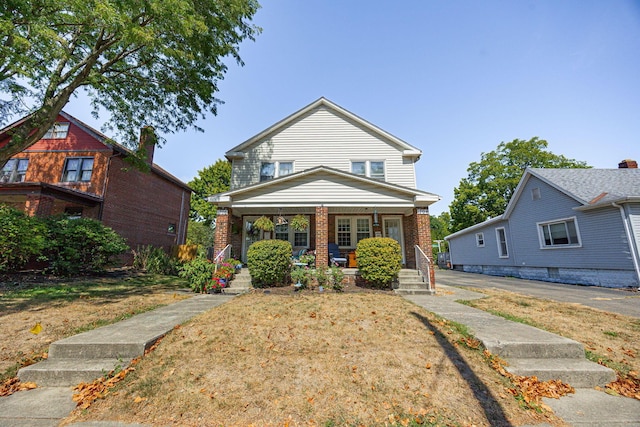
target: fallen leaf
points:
(36, 329)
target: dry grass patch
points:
(610, 339)
(313, 359)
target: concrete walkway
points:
(531, 351)
(87, 356)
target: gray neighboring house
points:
(578, 226)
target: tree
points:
(439, 230)
(148, 63)
(210, 180)
(486, 191)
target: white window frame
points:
(367, 168)
(11, 171)
(353, 230)
(480, 240)
(59, 130)
(79, 171)
(291, 233)
(276, 168)
(501, 253)
(541, 226)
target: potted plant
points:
(263, 223)
(299, 222)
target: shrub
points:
(154, 260)
(22, 237)
(337, 275)
(320, 273)
(301, 275)
(269, 262)
(199, 273)
(83, 245)
(379, 260)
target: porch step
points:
(240, 284)
(410, 282)
(580, 373)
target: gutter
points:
(634, 252)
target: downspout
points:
(181, 238)
(634, 252)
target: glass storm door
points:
(392, 227)
(250, 236)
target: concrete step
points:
(536, 349)
(423, 291)
(411, 284)
(579, 373)
(95, 347)
(69, 372)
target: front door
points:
(250, 235)
(392, 227)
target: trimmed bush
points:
(379, 260)
(199, 273)
(269, 263)
(22, 237)
(81, 246)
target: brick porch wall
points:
(322, 235)
(424, 237)
(223, 231)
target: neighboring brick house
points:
(351, 179)
(78, 171)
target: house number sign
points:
(423, 211)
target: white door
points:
(392, 227)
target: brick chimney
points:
(628, 164)
(147, 144)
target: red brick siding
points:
(322, 235)
(223, 231)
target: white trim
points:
(541, 239)
(479, 238)
(499, 242)
(353, 229)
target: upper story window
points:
(14, 170)
(559, 233)
(270, 170)
(370, 168)
(480, 240)
(57, 131)
(77, 169)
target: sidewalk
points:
(88, 355)
(531, 351)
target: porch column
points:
(39, 205)
(424, 238)
(322, 236)
(223, 231)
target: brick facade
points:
(322, 235)
(223, 231)
(424, 237)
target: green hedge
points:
(269, 263)
(22, 237)
(379, 260)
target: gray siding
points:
(465, 251)
(324, 138)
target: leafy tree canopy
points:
(210, 180)
(148, 63)
(486, 191)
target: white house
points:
(351, 179)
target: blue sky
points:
(453, 78)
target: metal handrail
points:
(423, 265)
(222, 255)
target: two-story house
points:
(351, 179)
(78, 171)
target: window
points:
(270, 170)
(535, 194)
(171, 229)
(480, 240)
(296, 238)
(501, 237)
(73, 212)
(350, 230)
(370, 168)
(559, 233)
(14, 170)
(57, 131)
(77, 169)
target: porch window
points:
(270, 170)
(58, 131)
(559, 233)
(296, 238)
(371, 168)
(14, 170)
(350, 230)
(77, 169)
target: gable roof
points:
(407, 149)
(422, 197)
(107, 142)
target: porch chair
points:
(334, 255)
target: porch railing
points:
(424, 265)
(222, 255)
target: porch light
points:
(375, 217)
(280, 220)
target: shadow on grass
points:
(492, 409)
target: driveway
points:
(625, 302)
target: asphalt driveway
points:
(626, 302)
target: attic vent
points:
(535, 194)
